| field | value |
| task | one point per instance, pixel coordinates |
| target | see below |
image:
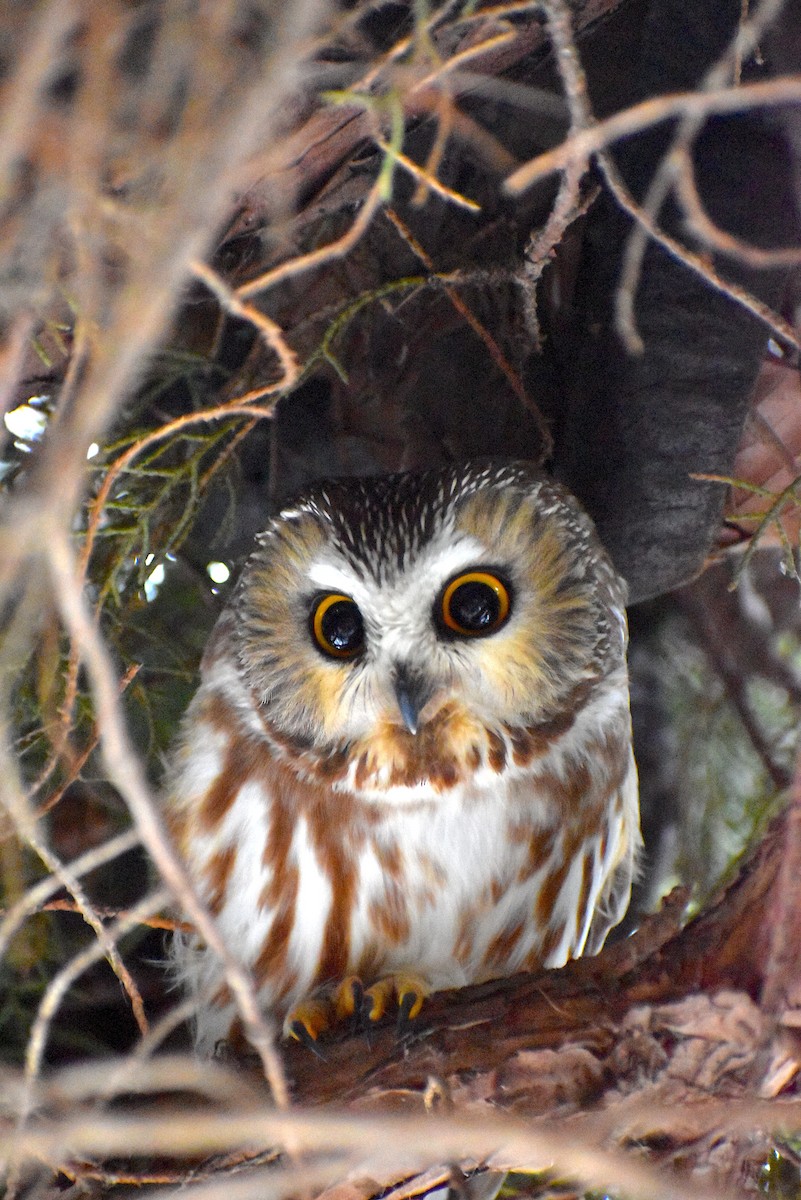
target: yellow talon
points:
(408, 989)
(377, 997)
(307, 1020)
(348, 998)
(318, 1014)
(412, 991)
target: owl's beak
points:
(412, 692)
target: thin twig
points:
(178, 425)
(715, 238)
(79, 760)
(496, 353)
(38, 894)
(325, 254)
(427, 181)
(666, 174)
(106, 944)
(393, 1145)
(125, 772)
(772, 515)
(568, 199)
(783, 331)
(60, 984)
(19, 810)
(272, 334)
(637, 118)
(456, 62)
(54, 994)
(105, 913)
(720, 658)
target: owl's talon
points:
(405, 1007)
(357, 1020)
(349, 999)
(412, 991)
(409, 991)
(300, 1033)
(306, 1021)
(377, 998)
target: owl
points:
(408, 766)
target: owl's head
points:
(374, 606)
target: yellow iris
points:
(475, 603)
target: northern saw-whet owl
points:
(408, 766)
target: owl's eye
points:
(474, 604)
(337, 626)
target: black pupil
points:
(475, 606)
(342, 626)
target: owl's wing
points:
(624, 851)
(612, 905)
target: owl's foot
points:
(317, 1014)
(349, 1000)
(407, 989)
